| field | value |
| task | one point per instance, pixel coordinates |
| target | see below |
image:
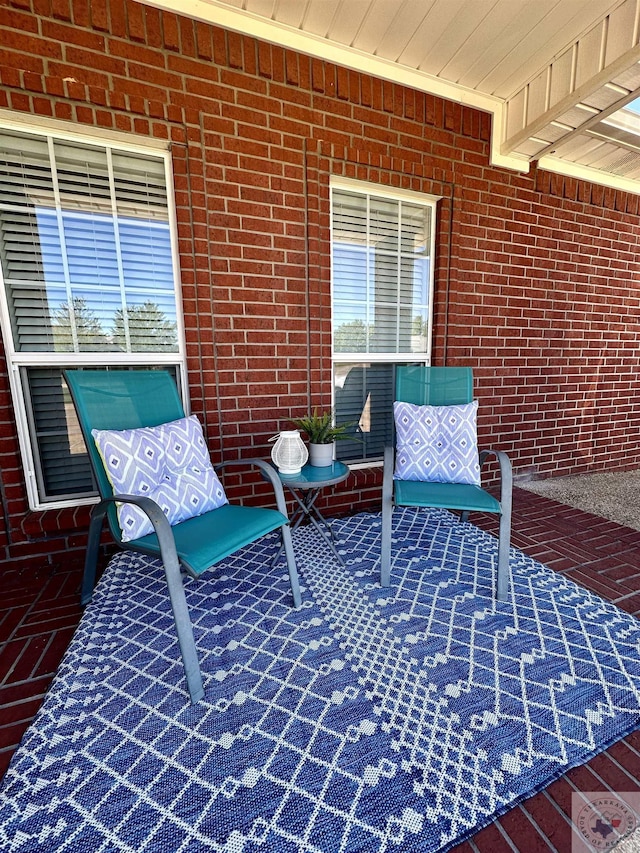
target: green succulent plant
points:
(320, 429)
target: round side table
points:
(305, 488)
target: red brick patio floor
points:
(40, 611)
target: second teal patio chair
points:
(164, 454)
(442, 471)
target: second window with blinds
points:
(382, 244)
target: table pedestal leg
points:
(307, 509)
(323, 527)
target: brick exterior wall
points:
(537, 275)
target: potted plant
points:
(322, 434)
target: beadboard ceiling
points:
(550, 72)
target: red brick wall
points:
(536, 275)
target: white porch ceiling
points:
(549, 71)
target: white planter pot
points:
(321, 455)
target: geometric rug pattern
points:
(369, 720)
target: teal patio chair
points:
(131, 399)
(443, 386)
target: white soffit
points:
(550, 72)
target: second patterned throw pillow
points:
(437, 444)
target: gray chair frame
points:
(504, 536)
(504, 511)
(172, 566)
(175, 559)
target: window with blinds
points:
(88, 266)
(382, 245)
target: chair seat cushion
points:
(206, 539)
(168, 463)
(444, 495)
(438, 444)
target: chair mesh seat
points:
(425, 388)
(444, 496)
(203, 541)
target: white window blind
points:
(382, 283)
(88, 263)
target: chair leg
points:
(503, 553)
(171, 563)
(184, 628)
(91, 557)
(287, 543)
(387, 517)
(178, 599)
(385, 556)
(506, 502)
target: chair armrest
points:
(151, 509)
(269, 473)
(506, 476)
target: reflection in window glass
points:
(89, 292)
(382, 280)
(381, 269)
(63, 468)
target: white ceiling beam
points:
(600, 55)
(586, 173)
(567, 138)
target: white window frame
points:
(382, 191)
(18, 362)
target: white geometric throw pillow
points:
(437, 444)
(168, 463)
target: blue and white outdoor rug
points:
(368, 720)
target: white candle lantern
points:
(289, 452)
